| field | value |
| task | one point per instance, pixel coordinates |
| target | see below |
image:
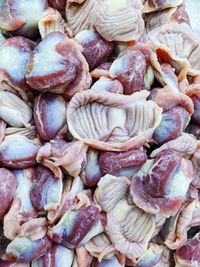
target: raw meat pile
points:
(99, 134)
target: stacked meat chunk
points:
(99, 134)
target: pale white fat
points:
(47, 60)
(31, 11)
(85, 36)
(177, 185)
(13, 61)
(24, 185)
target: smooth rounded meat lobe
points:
(17, 151)
(9, 19)
(56, 256)
(112, 86)
(14, 55)
(49, 114)
(91, 174)
(111, 162)
(42, 66)
(74, 226)
(58, 65)
(172, 125)
(46, 190)
(8, 184)
(25, 250)
(167, 164)
(130, 70)
(162, 188)
(95, 48)
(196, 114)
(17, 16)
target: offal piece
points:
(57, 256)
(123, 163)
(14, 55)
(131, 68)
(177, 108)
(49, 114)
(176, 14)
(17, 151)
(92, 173)
(79, 17)
(95, 48)
(181, 41)
(119, 21)
(163, 189)
(8, 184)
(57, 65)
(107, 84)
(75, 228)
(18, 17)
(24, 250)
(99, 133)
(59, 153)
(124, 219)
(108, 121)
(46, 190)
